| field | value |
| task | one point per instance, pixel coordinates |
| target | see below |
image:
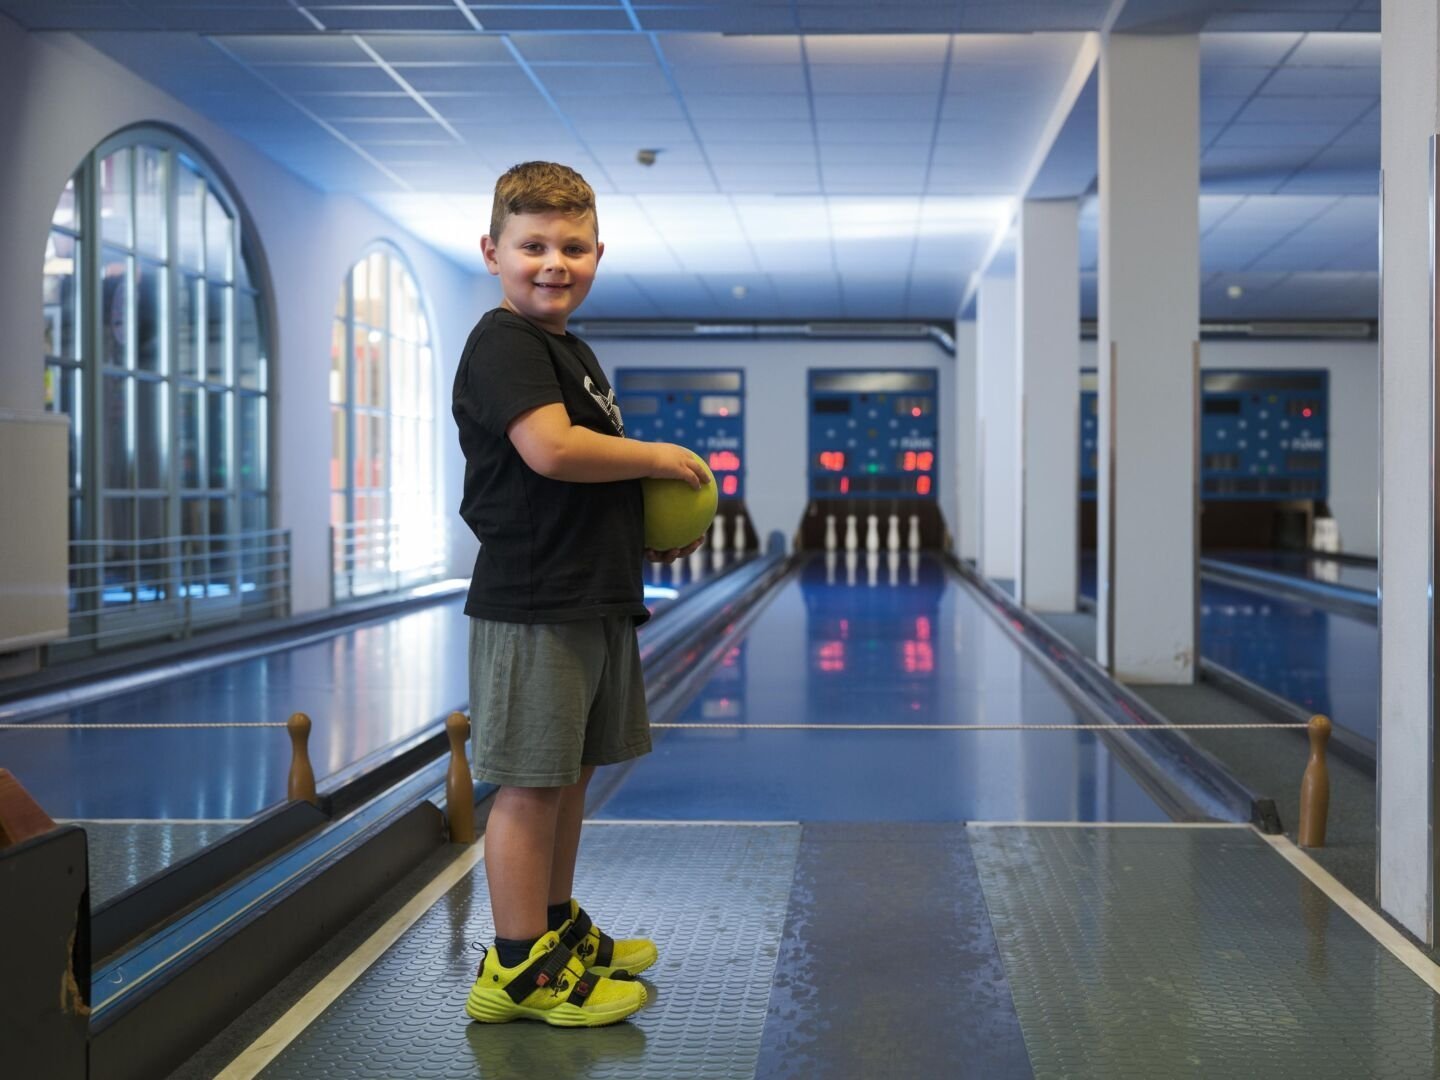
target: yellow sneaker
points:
(605, 954)
(553, 986)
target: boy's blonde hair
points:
(537, 187)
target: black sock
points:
(513, 952)
(557, 915)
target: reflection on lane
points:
(877, 639)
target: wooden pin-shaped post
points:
(1315, 787)
(459, 791)
(301, 785)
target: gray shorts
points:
(547, 698)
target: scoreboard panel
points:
(703, 409)
(874, 434)
(1263, 435)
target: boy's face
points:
(546, 264)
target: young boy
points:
(552, 492)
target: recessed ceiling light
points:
(1234, 292)
(739, 292)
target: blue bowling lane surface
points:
(1321, 660)
(1300, 564)
(364, 689)
(877, 640)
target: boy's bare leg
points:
(520, 839)
(567, 837)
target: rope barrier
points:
(1137, 728)
(141, 727)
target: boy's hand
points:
(674, 553)
(673, 462)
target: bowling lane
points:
(364, 689)
(1321, 660)
(877, 639)
(1361, 578)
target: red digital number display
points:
(724, 461)
(922, 485)
(730, 484)
(832, 460)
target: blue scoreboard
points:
(703, 409)
(1264, 435)
(874, 434)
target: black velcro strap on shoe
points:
(606, 952)
(542, 971)
(583, 986)
(578, 928)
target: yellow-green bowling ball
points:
(675, 513)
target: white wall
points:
(61, 99)
(997, 421)
(1354, 418)
(777, 420)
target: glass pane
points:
(362, 452)
(221, 563)
(338, 513)
(189, 217)
(150, 318)
(114, 180)
(337, 449)
(153, 564)
(115, 288)
(152, 434)
(62, 395)
(379, 264)
(217, 438)
(249, 350)
(60, 296)
(119, 464)
(150, 200)
(119, 554)
(217, 337)
(219, 230)
(426, 364)
(255, 517)
(64, 215)
(193, 517)
(375, 380)
(251, 442)
(187, 441)
(360, 291)
(242, 271)
(379, 464)
(337, 363)
(187, 328)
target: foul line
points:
(1392, 940)
(305, 1011)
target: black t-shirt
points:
(550, 550)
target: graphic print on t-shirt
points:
(606, 402)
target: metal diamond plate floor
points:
(1192, 953)
(713, 897)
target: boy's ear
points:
(599, 249)
(487, 249)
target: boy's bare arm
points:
(557, 449)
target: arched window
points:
(155, 348)
(385, 517)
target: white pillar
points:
(966, 529)
(1410, 102)
(995, 389)
(1149, 328)
(1048, 370)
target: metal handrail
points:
(384, 554)
(168, 586)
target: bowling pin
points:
(852, 535)
(677, 572)
(913, 558)
(872, 532)
(872, 568)
(831, 540)
(657, 573)
(914, 532)
(830, 558)
(892, 534)
(717, 560)
(892, 565)
(717, 534)
(850, 560)
(697, 564)
(740, 535)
